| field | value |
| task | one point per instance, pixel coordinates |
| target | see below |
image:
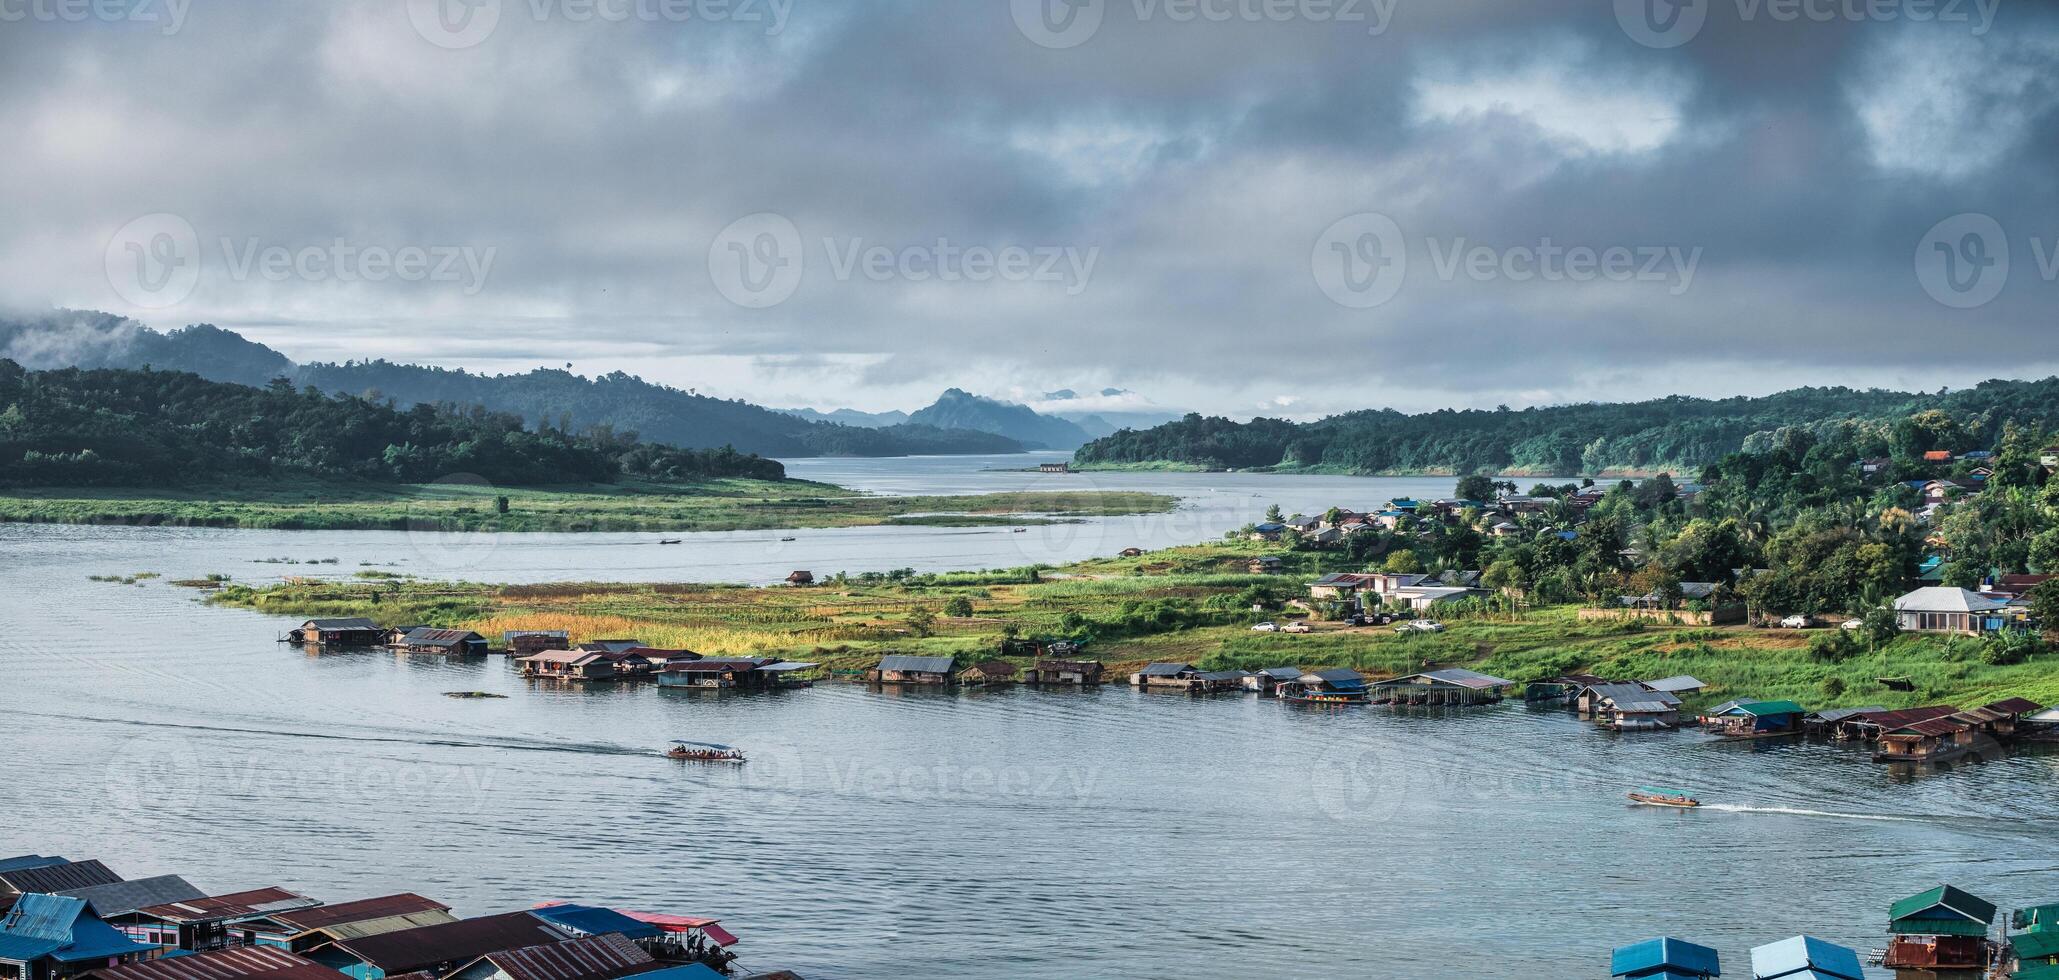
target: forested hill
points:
(84, 339)
(1678, 434)
(76, 427)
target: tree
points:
(1403, 562)
(1475, 487)
(959, 607)
(1881, 625)
(1273, 515)
(2044, 604)
(922, 621)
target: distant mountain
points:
(1106, 412)
(620, 402)
(849, 416)
(958, 409)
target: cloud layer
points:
(1208, 157)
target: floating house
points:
(1940, 929)
(1868, 724)
(2002, 719)
(1628, 707)
(1165, 675)
(1757, 719)
(905, 669)
(990, 672)
(54, 937)
(355, 631)
(1450, 686)
(1676, 685)
(1934, 740)
(1336, 685)
(448, 643)
(231, 963)
(522, 643)
(116, 902)
(38, 873)
(1664, 958)
(593, 920)
(215, 921)
(300, 930)
(569, 665)
(1268, 680)
(1805, 958)
(2034, 955)
(1077, 672)
(1828, 719)
(436, 950)
(597, 957)
(714, 673)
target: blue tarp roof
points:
(594, 920)
(1675, 957)
(1805, 958)
(691, 971)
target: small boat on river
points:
(704, 752)
(1654, 796)
(671, 540)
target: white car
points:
(1853, 624)
(1266, 628)
(1420, 626)
(1795, 623)
(1296, 627)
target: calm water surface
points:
(1003, 834)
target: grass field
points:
(1182, 605)
(716, 505)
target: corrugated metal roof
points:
(218, 964)
(1168, 670)
(465, 939)
(385, 924)
(58, 877)
(43, 917)
(2015, 706)
(921, 665)
(1946, 898)
(1792, 956)
(120, 897)
(1674, 685)
(1282, 673)
(1688, 958)
(351, 623)
(2035, 945)
(361, 910)
(1835, 715)
(26, 861)
(592, 920)
(589, 958)
(237, 905)
(1904, 716)
(429, 636)
(1627, 694)
(1769, 709)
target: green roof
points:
(1761, 708)
(2038, 917)
(2035, 945)
(1941, 911)
(2041, 971)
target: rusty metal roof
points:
(233, 963)
(59, 877)
(600, 957)
(237, 905)
(1904, 716)
(466, 939)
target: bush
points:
(1833, 687)
(958, 606)
(1834, 647)
(2009, 647)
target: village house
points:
(1334, 682)
(1868, 724)
(1931, 740)
(1269, 679)
(1075, 672)
(718, 673)
(55, 937)
(1939, 929)
(228, 963)
(449, 643)
(1941, 609)
(1664, 958)
(214, 921)
(1059, 467)
(1628, 707)
(800, 577)
(570, 665)
(1339, 585)
(433, 950)
(1264, 566)
(1450, 686)
(904, 669)
(355, 631)
(1186, 677)
(1756, 719)
(300, 930)
(1268, 531)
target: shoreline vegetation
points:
(1168, 466)
(1188, 604)
(711, 505)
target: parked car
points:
(1420, 626)
(1295, 627)
(1266, 627)
(1853, 624)
(1795, 623)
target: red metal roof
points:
(600, 957)
(362, 910)
(2015, 706)
(1904, 716)
(234, 963)
(257, 901)
(668, 922)
(721, 936)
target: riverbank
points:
(1189, 604)
(1169, 466)
(715, 505)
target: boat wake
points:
(1800, 812)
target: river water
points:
(984, 834)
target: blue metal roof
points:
(690, 971)
(27, 861)
(1664, 956)
(26, 948)
(59, 926)
(1805, 958)
(593, 920)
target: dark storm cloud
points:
(1176, 173)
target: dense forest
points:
(1678, 434)
(110, 427)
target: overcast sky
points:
(1292, 208)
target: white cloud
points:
(1562, 90)
(1945, 104)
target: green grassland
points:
(1183, 604)
(715, 505)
